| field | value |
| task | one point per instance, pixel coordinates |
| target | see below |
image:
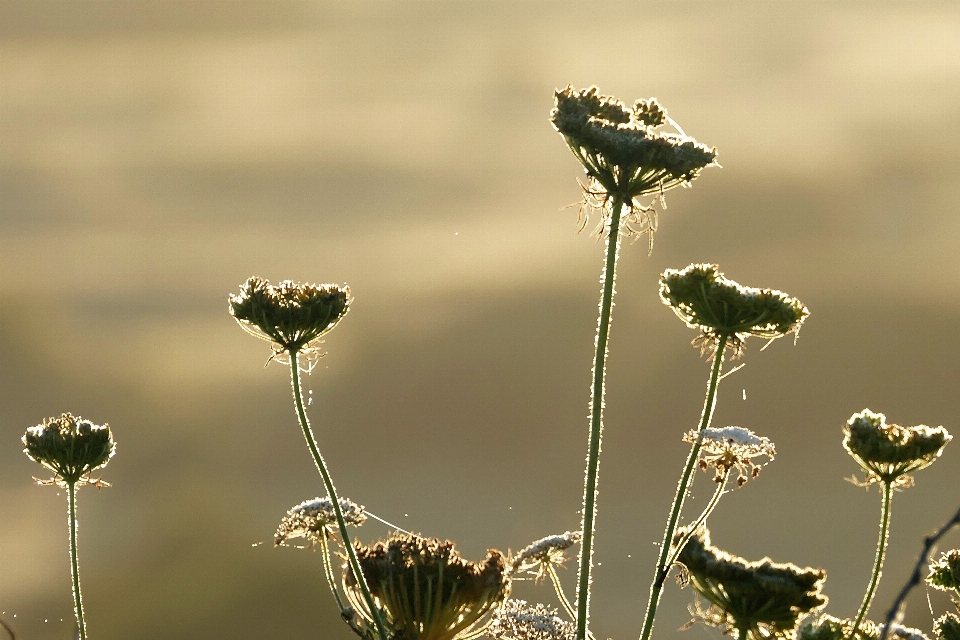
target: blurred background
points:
(154, 154)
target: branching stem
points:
(663, 567)
(334, 499)
(881, 553)
(721, 486)
(588, 521)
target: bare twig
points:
(928, 544)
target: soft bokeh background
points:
(155, 154)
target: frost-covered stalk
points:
(663, 567)
(597, 390)
(888, 453)
(72, 448)
(625, 157)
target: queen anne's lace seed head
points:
(731, 448)
(407, 569)
(312, 519)
(945, 572)
(947, 627)
(762, 598)
(707, 300)
(517, 620)
(622, 151)
(69, 446)
(291, 315)
(900, 632)
(827, 627)
(888, 452)
(540, 554)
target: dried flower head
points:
(705, 299)
(762, 598)
(945, 572)
(947, 627)
(543, 553)
(517, 620)
(888, 452)
(827, 627)
(900, 632)
(70, 446)
(312, 519)
(622, 151)
(426, 590)
(731, 448)
(291, 315)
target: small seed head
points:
(888, 452)
(763, 598)
(945, 572)
(312, 519)
(731, 448)
(70, 447)
(517, 620)
(291, 315)
(705, 299)
(545, 552)
(947, 627)
(827, 627)
(407, 569)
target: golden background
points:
(155, 154)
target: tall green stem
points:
(881, 553)
(588, 522)
(663, 567)
(74, 562)
(334, 499)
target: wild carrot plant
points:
(71, 448)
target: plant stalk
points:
(74, 561)
(677, 548)
(328, 570)
(663, 567)
(332, 493)
(588, 521)
(881, 553)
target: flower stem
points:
(328, 570)
(588, 521)
(677, 548)
(334, 499)
(74, 562)
(663, 567)
(881, 553)
(562, 597)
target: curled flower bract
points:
(731, 448)
(545, 551)
(426, 590)
(887, 452)
(760, 598)
(312, 519)
(707, 300)
(69, 446)
(622, 151)
(517, 620)
(290, 314)
(945, 572)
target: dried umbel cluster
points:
(517, 620)
(826, 627)
(945, 572)
(760, 598)
(290, 314)
(69, 446)
(313, 519)
(947, 627)
(720, 308)
(888, 452)
(540, 555)
(728, 448)
(620, 147)
(427, 591)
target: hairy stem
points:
(588, 522)
(328, 570)
(562, 597)
(701, 518)
(881, 553)
(334, 499)
(663, 567)
(74, 561)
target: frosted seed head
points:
(69, 446)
